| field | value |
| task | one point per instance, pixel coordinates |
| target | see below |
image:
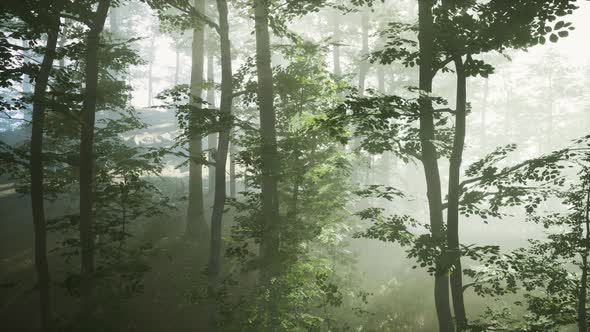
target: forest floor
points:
(166, 303)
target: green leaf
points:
(559, 25)
(564, 33)
(542, 40)
(553, 38)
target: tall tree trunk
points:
(336, 41)
(221, 161)
(484, 110)
(232, 170)
(453, 197)
(150, 75)
(363, 65)
(87, 154)
(270, 166)
(429, 160)
(36, 169)
(196, 227)
(62, 43)
(212, 138)
(550, 120)
(583, 293)
(176, 64)
(26, 85)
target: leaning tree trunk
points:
(212, 138)
(429, 160)
(87, 157)
(220, 163)
(270, 167)
(453, 197)
(36, 169)
(196, 227)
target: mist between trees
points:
(267, 165)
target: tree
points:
(429, 159)
(270, 163)
(212, 138)
(37, 199)
(46, 22)
(87, 169)
(220, 161)
(196, 226)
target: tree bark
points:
(232, 170)
(429, 160)
(36, 169)
(62, 43)
(582, 317)
(336, 41)
(221, 161)
(150, 75)
(453, 197)
(87, 157)
(26, 84)
(212, 138)
(176, 64)
(363, 65)
(484, 110)
(582, 320)
(270, 166)
(196, 226)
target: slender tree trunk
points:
(196, 227)
(62, 43)
(363, 65)
(429, 160)
(484, 110)
(176, 64)
(26, 85)
(232, 170)
(582, 318)
(221, 160)
(270, 166)
(336, 41)
(453, 197)
(150, 77)
(549, 133)
(87, 157)
(37, 203)
(212, 138)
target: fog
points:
(397, 165)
